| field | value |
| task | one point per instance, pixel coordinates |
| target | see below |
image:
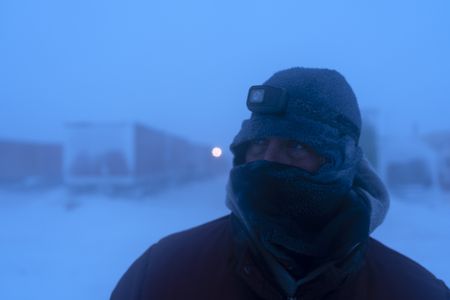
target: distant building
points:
(408, 163)
(369, 140)
(440, 142)
(27, 163)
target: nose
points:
(273, 152)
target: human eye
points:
(297, 149)
(257, 146)
(295, 145)
(259, 142)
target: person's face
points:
(284, 151)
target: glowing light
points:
(216, 152)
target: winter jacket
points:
(203, 263)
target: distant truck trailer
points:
(31, 164)
(132, 156)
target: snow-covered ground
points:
(55, 246)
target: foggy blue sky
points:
(185, 66)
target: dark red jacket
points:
(202, 263)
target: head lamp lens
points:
(267, 99)
(256, 96)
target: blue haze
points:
(185, 66)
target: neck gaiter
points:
(296, 216)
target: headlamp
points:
(267, 99)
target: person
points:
(303, 201)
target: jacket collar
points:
(271, 281)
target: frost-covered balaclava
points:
(291, 212)
(323, 112)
